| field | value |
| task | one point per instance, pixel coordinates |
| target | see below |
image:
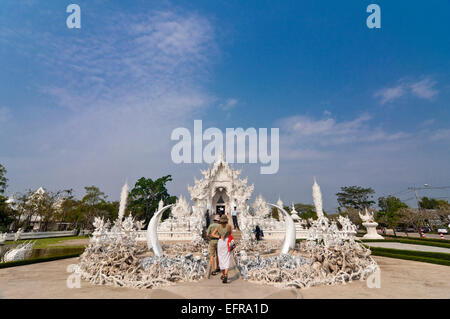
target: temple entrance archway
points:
(221, 201)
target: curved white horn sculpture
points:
(289, 237)
(152, 232)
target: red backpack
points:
(231, 244)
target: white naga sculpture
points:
(370, 224)
(20, 252)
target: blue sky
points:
(355, 106)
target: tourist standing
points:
(234, 216)
(258, 232)
(213, 246)
(207, 218)
(222, 232)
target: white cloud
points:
(143, 56)
(303, 138)
(423, 89)
(123, 90)
(228, 104)
(441, 134)
(389, 94)
(330, 132)
(355, 151)
(427, 122)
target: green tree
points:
(431, 203)
(6, 214)
(356, 197)
(92, 205)
(3, 179)
(443, 213)
(306, 211)
(417, 218)
(392, 212)
(146, 194)
(23, 211)
(5, 211)
(390, 204)
(45, 206)
(390, 219)
(275, 214)
(93, 196)
(66, 208)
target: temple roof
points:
(223, 173)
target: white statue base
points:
(371, 231)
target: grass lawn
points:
(412, 241)
(428, 257)
(46, 242)
(43, 259)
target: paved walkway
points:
(409, 247)
(48, 280)
(399, 279)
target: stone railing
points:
(167, 235)
(279, 234)
(299, 234)
(37, 235)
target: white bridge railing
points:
(37, 235)
(279, 234)
(186, 235)
(167, 235)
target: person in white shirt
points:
(234, 213)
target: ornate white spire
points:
(317, 198)
(279, 202)
(294, 213)
(220, 157)
(123, 200)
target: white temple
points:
(220, 190)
